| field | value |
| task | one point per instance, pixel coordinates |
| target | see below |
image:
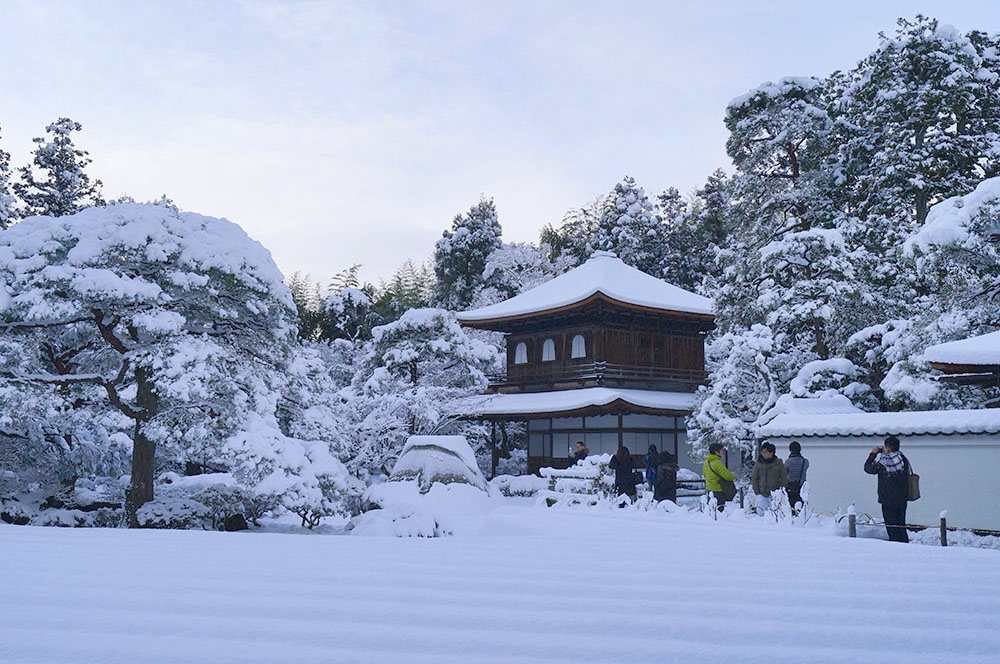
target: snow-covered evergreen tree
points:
(744, 386)
(919, 121)
(576, 237)
(514, 268)
(7, 200)
(460, 255)
(411, 287)
(631, 228)
(60, 186)
(349, 315)
(414, 375)
(695, 236)
(169, 326)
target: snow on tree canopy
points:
(603, 273)
(981, 350)
(444, 459)
(782, 87)
(149, 234)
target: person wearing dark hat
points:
(796, 466)
(892, 469)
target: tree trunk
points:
(140, 489)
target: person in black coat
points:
(666, 478)
(580, 454)
(621, 463)
(893, 470)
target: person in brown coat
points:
(768, 475)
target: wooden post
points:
(852, 527)
(493, 449)
(944, 528)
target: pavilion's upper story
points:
(603, 323)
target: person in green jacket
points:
(713, 470)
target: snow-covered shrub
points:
(96, 493)
(443, 459)
(302, 475)
(14, 512)
(220, 494)
(175, 513)
(515, 464)
(519, 485)
(402, 509)
(62, 518)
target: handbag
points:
(912, 483)
(728, 486)
(636, 478)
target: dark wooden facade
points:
(985, 375)
(624, 346)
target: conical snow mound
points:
(444, 459)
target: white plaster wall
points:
(959, 473)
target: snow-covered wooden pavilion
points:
(604, 354)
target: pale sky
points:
(339, 133)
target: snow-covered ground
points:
(535, 585)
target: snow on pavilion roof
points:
(565, 401)
(603, 273)
(903, 423)
(982, 350)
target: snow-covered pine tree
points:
(516, 267)
(778, 135)
(784, 275)
(806, 280)
(918, 121)
(348, 314)
(411, 287)
(744, 385)
(954, 255)
(631, 228)
(7, 199)
(61, 186)
(168, 326)
(460, 255)
(576, 236)
(414, 376)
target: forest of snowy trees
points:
(140, 341)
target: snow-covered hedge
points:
(519, 485)
(180, 513)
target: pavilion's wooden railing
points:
(598, 372)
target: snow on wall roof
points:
(982, 350)
(831, 405)
(904, 423)
(569, 400)
(603, 273)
